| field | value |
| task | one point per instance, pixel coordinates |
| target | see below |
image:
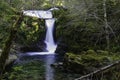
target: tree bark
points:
(8, 43)
(106, 25)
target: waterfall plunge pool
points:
(37, 65)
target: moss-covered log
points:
(8, 43)
(99, 70)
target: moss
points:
(90, 51)
(32, 70)
(73, 63)
(102, 52)
(89, 61)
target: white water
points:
(49, 74)
(49, 40)
(49, 22)
(38, 13)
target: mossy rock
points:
(90, 52)
(79, 63)
(72, 63)
(102, 52)
(85, 63)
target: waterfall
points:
(38, 13)
(49, 22)
(49, 40)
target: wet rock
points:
(11, 59)
(56, 65)
(61, 49)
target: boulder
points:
(57, 65)
(87, 62)
(10, 59)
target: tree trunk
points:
(8, 43)
(106, 26)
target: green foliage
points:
(32, 70)
(80, 24)
(88, 62)
(5, 21)
(82, 27)
(31, 31)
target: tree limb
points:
(8, 43)
(99, 70)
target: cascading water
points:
(49, 40)
(49, 21)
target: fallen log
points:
(99, 70)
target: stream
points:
(37, 65)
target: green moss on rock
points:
(89, 61)
(73, 63)
(90, 51)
